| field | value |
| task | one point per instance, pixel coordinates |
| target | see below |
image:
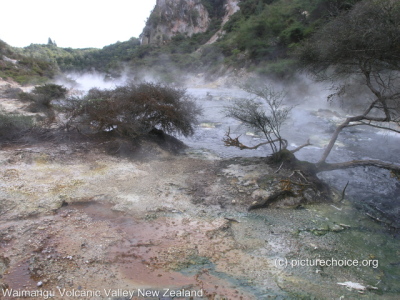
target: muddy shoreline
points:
(75, 218)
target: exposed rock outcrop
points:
(231, 6)
(187, 17)
(171, 17)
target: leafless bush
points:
(265, 114)
(134, 110)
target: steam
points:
(86, 81)
(313, 117)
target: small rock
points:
(353, 285)
(260, 193)
(39, 284)
(336, 228)
(319, 232)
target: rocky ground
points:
(75, 218)
(77, 222)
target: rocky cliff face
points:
(230, 7)
(187, 17)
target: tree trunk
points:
(321, 167)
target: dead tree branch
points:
(377, 126)
(344, 191)
(301, 147)
(321, 167)
(234, 142)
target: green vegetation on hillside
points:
(37, 63)
(24, 69)
(262, 37)
(266, 32)
(109, 59)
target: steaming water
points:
(372, 188)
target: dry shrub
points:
(134, 110)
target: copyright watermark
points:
(328, 262)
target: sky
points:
(72, 23)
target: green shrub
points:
(233, 23)
(293, 34)
(281, 69)
(211, 54)
(215, 8)
(14, 125)
(41, 96)
(12, 93)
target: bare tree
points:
(360, 45)
(363, 43)
(265, 113)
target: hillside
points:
(23, 68)
(258, 35)
(194, 36)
